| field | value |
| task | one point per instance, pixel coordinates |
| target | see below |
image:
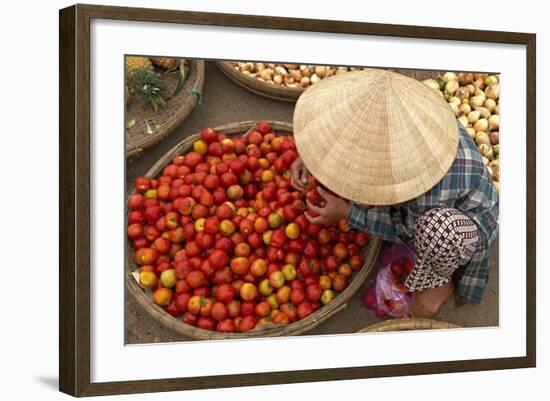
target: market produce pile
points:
(474, 100)
(222, 241)
(143, 81)
(289, 75)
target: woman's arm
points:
(384, 221)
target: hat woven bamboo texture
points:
(374, 136)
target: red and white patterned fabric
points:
(444, 240)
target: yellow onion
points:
(485, 160)
(476, 101)
(455, 100)
(463, 120)
(479, 83)
(479, 75)
(496, 150)
(471, 89)
(320, 71)
(494, 122)
(493, 91)
(306, 70)
(490, 104)
(485, 113)
(451, 87)
(266, 74)
(296, 74)
(497, 185)
(465, 78)
(482, 138)
(289, 80)
(449, 76)
(314, 79)
(471, 132)
(281, 70)
(259, 66)
(473, 116)
(278, 79)
(497, 109)
(489, 169)
(481, 125)
(465, 109)
(305, 81)
(462, 93)
(291, 66)
(486, 151)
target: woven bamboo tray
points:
(169, 117)
(408, 324)
(287, 94)
(276, 92)
(268, 330)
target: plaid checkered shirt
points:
(468, 187)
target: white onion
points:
(431, 83)
(481, 138)
(463, 120)
(493, 91)
(454, 108)
(465, 109)
(490, 104)
(481, 125)
(451, 87)
(455, 100)
(449, 76)
(471, 132)
(494, 122)
(486, 151)
(473, 116)
(477, 101)
(485, 113)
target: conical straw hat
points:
(375, 137)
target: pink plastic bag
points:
(386, 297)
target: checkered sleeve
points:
(384, 222)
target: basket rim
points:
(197, 68)
(412, 323)
(298, 327)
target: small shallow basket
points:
(370, 255)
(408, 324)
(169, 117)
(276, 92)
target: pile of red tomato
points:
(222, 241)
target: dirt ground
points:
(226, 102)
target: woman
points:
(381, 139)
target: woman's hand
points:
(335, 209)
(299, 174)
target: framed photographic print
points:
(235, 186)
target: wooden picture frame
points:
(74, 203)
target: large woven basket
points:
(169, 117)
(289, 94)
(408, 324)
(268, 330)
